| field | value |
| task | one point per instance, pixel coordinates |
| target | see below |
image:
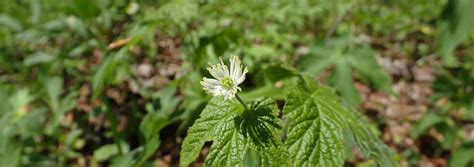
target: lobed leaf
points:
(316, 119)
(234, 131)
(314, 129)
(367, 141)
(344, 58)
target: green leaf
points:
(105, 152)
(269, 90)
(193, 93)
(154, 121)
(211, 118)
(86, 8)
(20, 100)
(178, 11)
(235, 130)
(32, 122)
(77, 25)
(261, 52)
(462, 156)
(38, 58)
(319, 59)
(279, 72)
(316, 120)
(35, 11)
(152, 124)
(53, 86)
(455, 26)
(428, 121)
(250, 158)
(346, 57)
(10, 22)
(168, 100)
(11, 156)
(342, 80)
(363, 60)
(106, 71)
(367, 141)
(314, 129)
(122, 161)
(150, 128)
(149, 149)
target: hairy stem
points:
(240, 100)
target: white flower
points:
(226, 80)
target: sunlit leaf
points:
(316, 119)
(233, 131)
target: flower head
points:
(226, 79)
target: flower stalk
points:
(241, 101)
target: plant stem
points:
(113, 119)
(240, 100)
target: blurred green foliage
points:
(53, 50)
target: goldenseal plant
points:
(315, 128)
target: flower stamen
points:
(227, 83)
